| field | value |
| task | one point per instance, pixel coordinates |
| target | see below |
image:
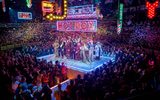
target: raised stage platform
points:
(79, 65)
(76, 67)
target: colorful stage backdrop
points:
(77, 25)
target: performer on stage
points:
(62, 49)
(56, 45)
(68, 46)
(98, 50)
(59, 48)
(83, 52)
(79, 44)
(73, 49)
(91, 49)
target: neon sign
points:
(85, 11)
(47, 6)
(120, 20)
(25, 15)
(29, 3)
(77, 25)
(151, 9)
(52, 11)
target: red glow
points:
(3, 6)
(151, 8)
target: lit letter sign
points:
(77, 25)
(151, 9)
(52, 11)
(29, 3)
(47, 6)
(82, 12)
(25, 15)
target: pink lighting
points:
(77, 25)
(82, 16)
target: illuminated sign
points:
(77, 25)
(85, 11)
(25, 15)
(29, 3)
(54, 10)
(47, 6)
(152, 8)
(76, 10)
(120, 19)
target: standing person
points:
(63, 49)
(91, 49)
(60, 49)
(45, 78)
(98, 50)
(73, 49)
(78, 50)
(68, 46)
(58, 94)
(64, 71)
(56, 45)
(83, 52)
(46, 93)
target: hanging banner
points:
(77, 25)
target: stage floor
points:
(79, 65)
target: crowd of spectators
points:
(135, 72)
(141, 31)
(24, 77)
(28, 32)
(134, 75)
(38, 50)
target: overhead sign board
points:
(85, 11)
(77, 25)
